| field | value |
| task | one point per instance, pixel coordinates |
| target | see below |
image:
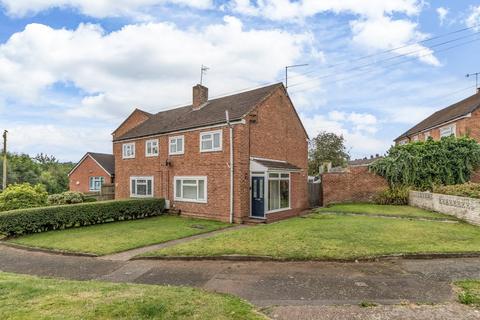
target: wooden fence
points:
(106, 193)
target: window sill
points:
(176, 154)
(151, 155)
(138, 196)
(125, 158)
(278, 210)
(207, 151)
(190, 201)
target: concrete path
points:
(267, 283)
(129, 254)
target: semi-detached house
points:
(234, 158)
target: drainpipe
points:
(231, 164)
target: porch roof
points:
(269, 165)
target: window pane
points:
(179, 145)
(273, 175)
(206, 137)
(178, 188)
(190, 192)
(149, 187)
(284, 194)
(273, 195)
(216, 140)
(284, 175)
(201, 189)
(173, 147)
(141, 189)
(207, 145)
(134, 191)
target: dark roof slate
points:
(107, 161)
(445, 115)
(213, 112)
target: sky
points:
(72, 70)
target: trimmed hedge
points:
(469, 189)
(33, 220)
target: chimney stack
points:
(200, 96)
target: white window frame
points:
(427, 135)
(451, 127)
(170, 142)
(415, 138)
(124, 146)
(403, 142)
(196, 178)
(267, 191)
(134, 195)
(153, 154)
(211, 133)
(102, 180)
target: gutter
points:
(231, 164)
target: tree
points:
(327, 147)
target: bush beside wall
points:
(469, 190)
(24, 221)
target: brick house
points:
(459, 119)
(236, 158)
(91, 172)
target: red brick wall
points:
(79, 180)
(357, 184)
(136, 118)
(277, 134)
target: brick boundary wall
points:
(476, 176)
(356, 184)
(467, 209)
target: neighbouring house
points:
(459, 119)
(91, 172)
(237, 158)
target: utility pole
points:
(4, 184)
(203, 71)
(289, 67)
(476, 74)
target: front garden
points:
(28, 297)
(334, 235)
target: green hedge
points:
(24, 221)
(469, 189)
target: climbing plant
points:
(425, 164)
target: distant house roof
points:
(212, 113)
(364, 161)
(455, 111)
(104, 160)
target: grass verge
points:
(119, 236)
(323, 237)
(385, 210)
(470, 292)
(27, 297)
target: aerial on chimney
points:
(200, 96)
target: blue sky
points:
(72, 70)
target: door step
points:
(253, 221)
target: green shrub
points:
(24, 221)
(89, 199)
(424, 164)
(469, 189)
(68, 197)
(392, 196)
(19, 196)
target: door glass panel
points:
(260, 181)
(255, 188)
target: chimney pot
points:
(200, 96)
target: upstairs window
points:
(151, 148)
(128, 150)
(96, 183)
(211, 141)
(141, 187)
(427, 135)
(176, 145)
(447, 131)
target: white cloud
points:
(147, 65)
(98, 8)
(442, 14)
(473, 19)
(358, 130)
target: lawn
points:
(119, 236)
(470, 292)
(385, 210)
(26, 297)
(319, 236)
